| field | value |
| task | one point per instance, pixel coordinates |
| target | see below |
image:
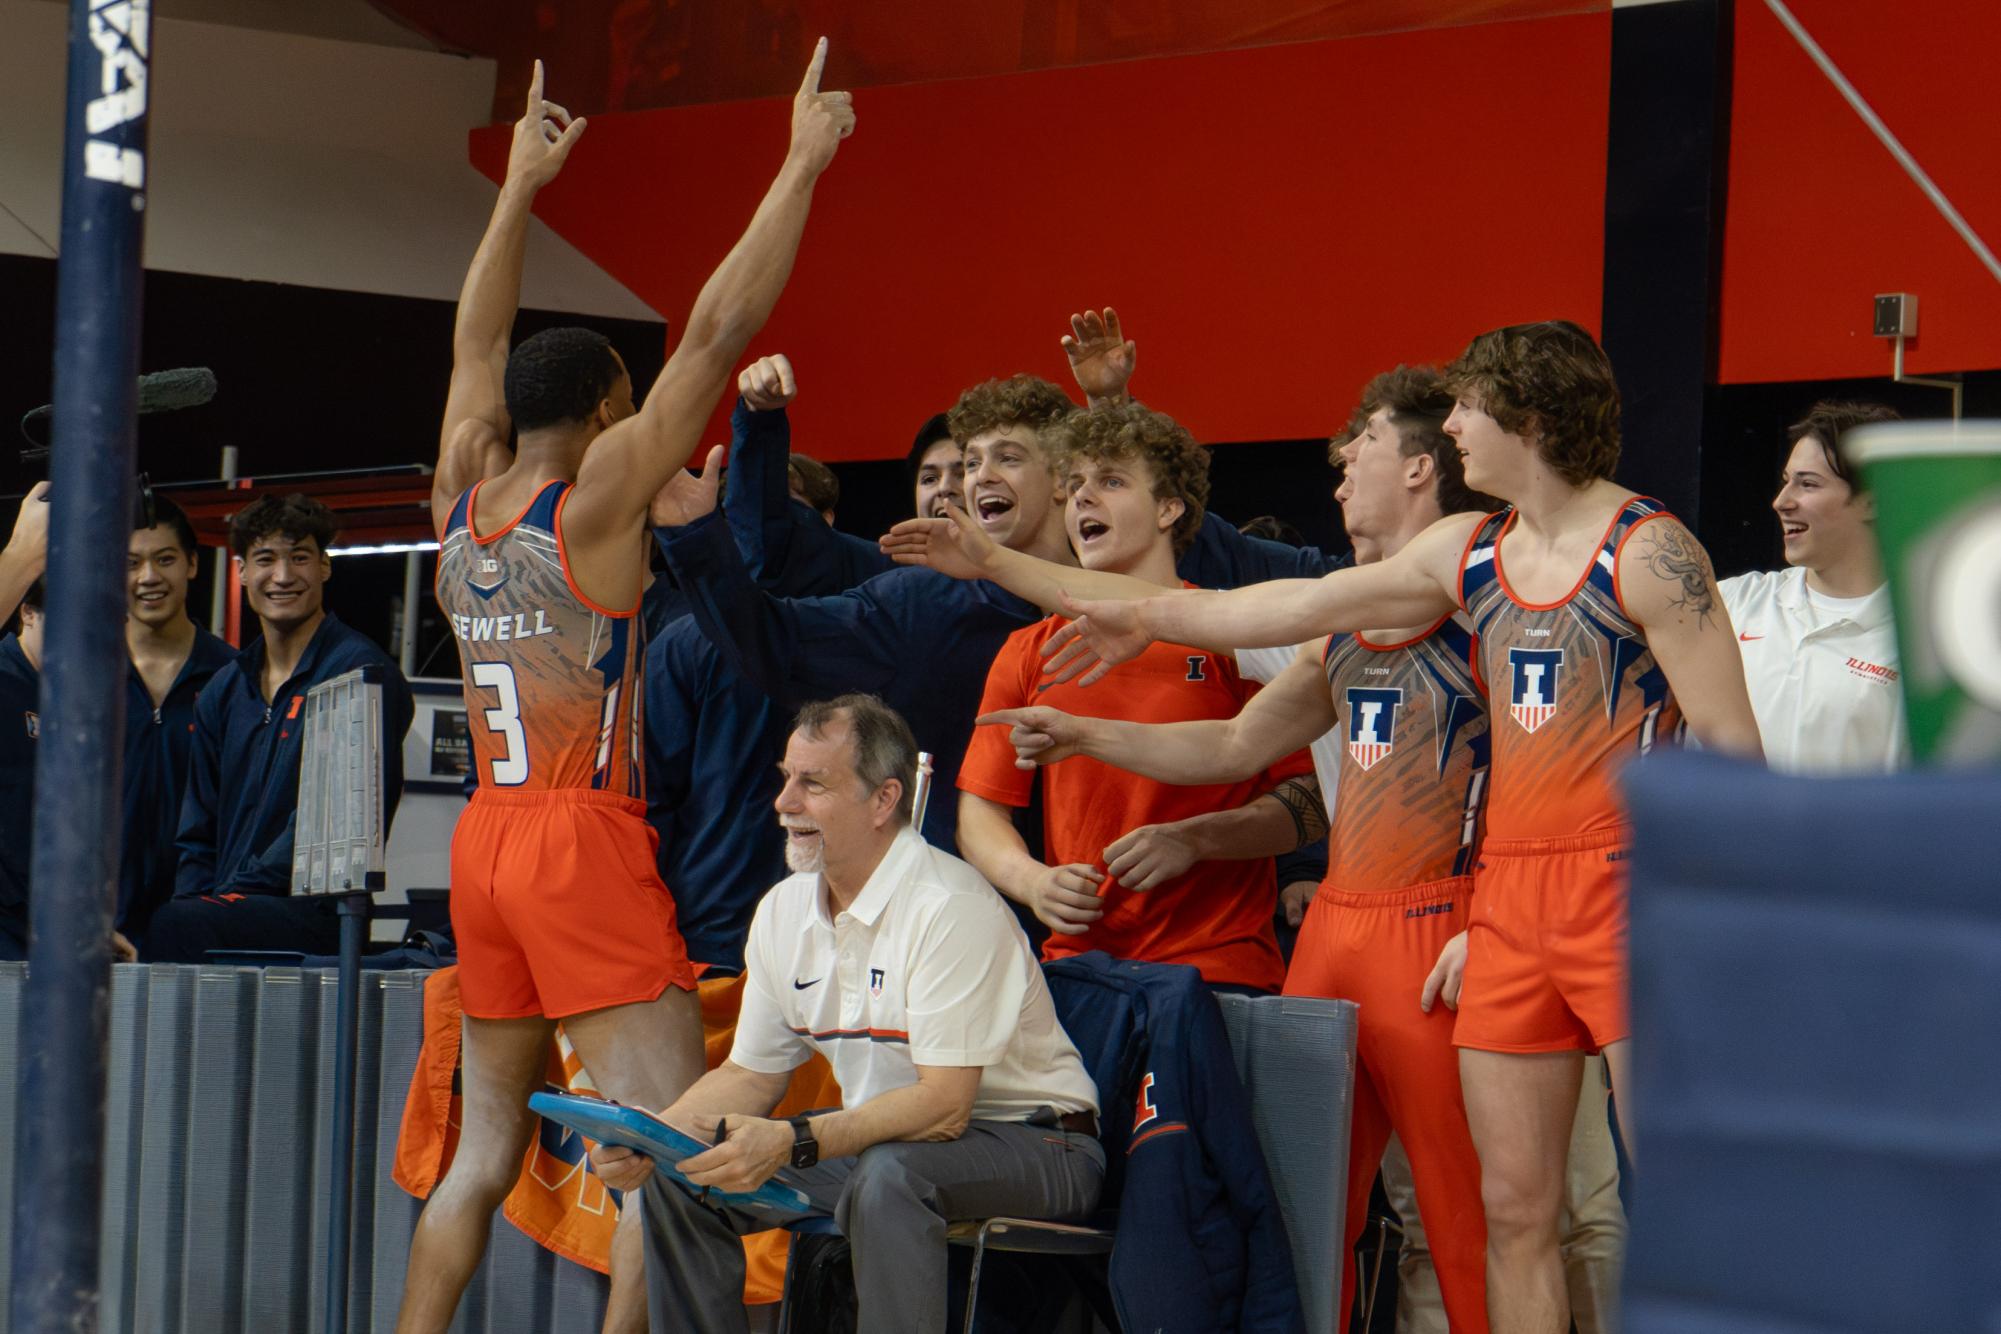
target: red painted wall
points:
(1820, 217)
(1276, 224)
(634, 55)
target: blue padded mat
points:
(1816, 988)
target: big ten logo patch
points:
(1143, 1108)
(1372, 719)
(1533, 674)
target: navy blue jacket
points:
(20, 726)
(713, 742)
(158, 741)
(921, 640)
(787, 547)
(1201, 1246)
(243, 773)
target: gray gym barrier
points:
(1296, 1057)
(216, 1161)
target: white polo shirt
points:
(1822, 674)
(928, 967)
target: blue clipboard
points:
(609, 1123)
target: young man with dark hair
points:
(20, 733)
(1819, 643)
(1111, 878)
(172, 660)
(557, 906)
(1599, 628)
(233, 885)
(937, 468)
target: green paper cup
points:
(1938, 521)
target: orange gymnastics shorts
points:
(1546, 947)
(558, 907)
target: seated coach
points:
(234, 880)
(964, 1098)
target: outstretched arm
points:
(473, 442)
(961, 548)
(635, 457)
(1417, 585)
(1669, 589)
(1268, 825)
(1284, 717)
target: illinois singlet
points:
(1575, 693)
(556, 901)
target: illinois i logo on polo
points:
(1372, 719)
(1532, 692)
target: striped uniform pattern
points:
(1581, 690)
(552, 681)
(1414, 770)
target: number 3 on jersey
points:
(510, 769)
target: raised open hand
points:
(819, 120)
(687, 497)
(768, 383)
(1101, 356)
(543, 138)
(1100, 637)
(955, 545)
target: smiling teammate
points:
(1136, 483)
(1819, 643)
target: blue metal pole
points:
(340, 1177)
(59, 1151)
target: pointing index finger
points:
(811, 84)
(535, 93)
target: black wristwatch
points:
(805, 1149)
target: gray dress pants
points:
(891, 1202)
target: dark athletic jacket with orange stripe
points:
(243, 772)
(1202, 1248)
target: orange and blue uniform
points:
(1216, 916)
(554, 847)
(1575, 694)
(1407, 819)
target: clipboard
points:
(608, 1122)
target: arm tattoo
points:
(1676, 558)
(1301, 799)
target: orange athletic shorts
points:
(1546, 949)
(558, 907)
(1376, 948)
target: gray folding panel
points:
(12, 977)
(1296, 1056)
(218, 1105)
(284, 1096)
(124, 1135)
(161, 1217)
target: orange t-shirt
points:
(1218, 915)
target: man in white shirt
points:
(1819, 644)
(963, 1097)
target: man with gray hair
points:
(963, 1096)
